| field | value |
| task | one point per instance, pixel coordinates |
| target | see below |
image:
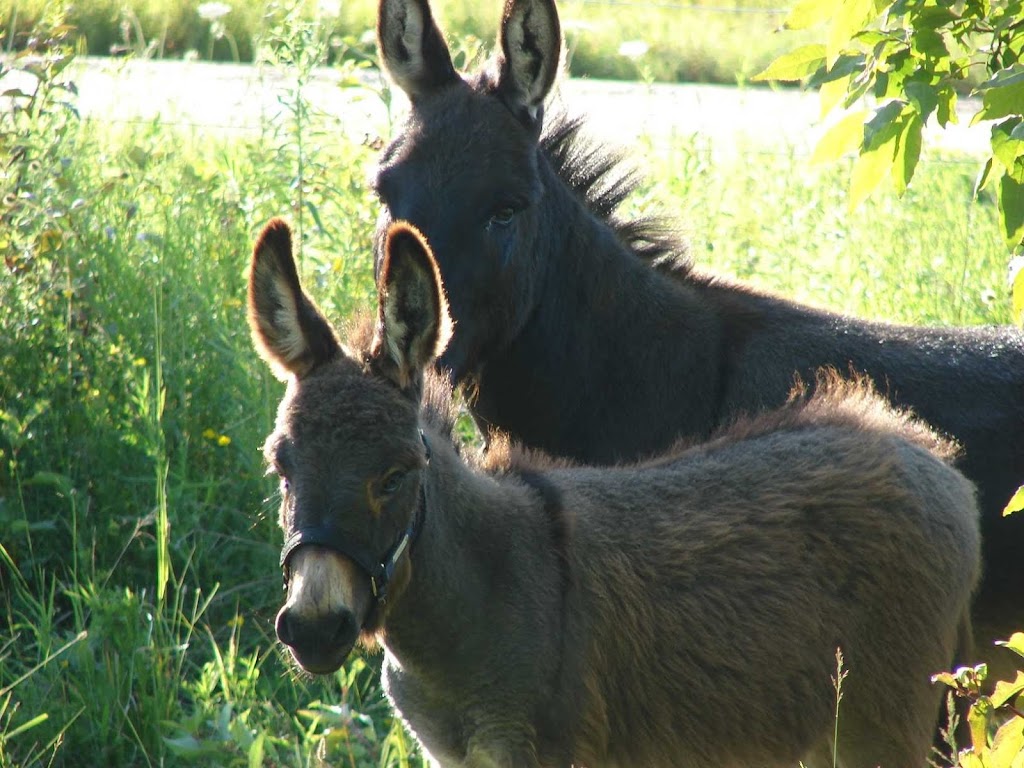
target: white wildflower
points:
(633, 49)
(213, 11)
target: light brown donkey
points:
(682, 611)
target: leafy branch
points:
(911, 59)
(995, 717)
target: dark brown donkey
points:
(681, 611)
(576, 342)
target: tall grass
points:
(138, 560)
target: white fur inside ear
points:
(289, 341)
(396, 332)
(515, 37)
(531, 42)
(406, 18)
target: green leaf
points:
(946, 113)
(924, 97)
(977, 8)
(978, 723)
(858, 87)
(872, 38)
(928, 42)
(189, 747)
(983, 176)
(1006, 690)
(1001, 101)
(852, 17)
(1016, 641)
(1016, 502)
(931, 17)
(868, 171)
(908, 152)
(833, 83)
(971, 760)
(882, 127)
(810, 13)
(846, 135)
(830, 93)
(878, 153)
(1005, 147)
(256, 752)
(1017, 171)
(1006, 15)
(1002, 94)
(845, 65)
(26, 726)
(794, 65)
(1008, 742)
(1011, 206)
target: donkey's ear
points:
(412, 48)
(288, 330)
(531, 44)
(413, 325)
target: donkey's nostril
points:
(345, 630)
(283, 625)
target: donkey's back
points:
(836, 523)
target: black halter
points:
(380, 570)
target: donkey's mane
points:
(595, 172)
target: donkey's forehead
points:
(342, 402)
(456, 127)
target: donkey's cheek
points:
(373, 501)
(506, 247)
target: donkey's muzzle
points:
(321, 643)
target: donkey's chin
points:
(321, 661)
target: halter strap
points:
(380, 570)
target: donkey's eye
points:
(502, 216)
(392, 481)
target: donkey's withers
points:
(685, 610)
(574, 342)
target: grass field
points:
(138, 566)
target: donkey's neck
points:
(486, 584)
(580, 377)
(471, 522)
